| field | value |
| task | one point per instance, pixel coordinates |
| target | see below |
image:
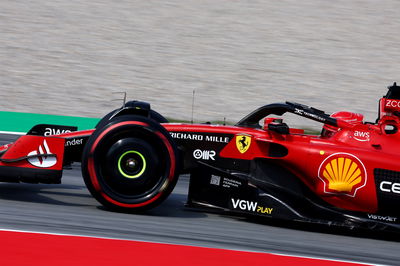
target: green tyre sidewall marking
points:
(132, 176)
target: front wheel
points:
(130, 164)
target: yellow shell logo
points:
(243, 143)
(342, 173)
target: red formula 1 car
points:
(348, 175)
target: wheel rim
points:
(131, 168)
(131, 164)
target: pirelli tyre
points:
(130, 164)
(152, 114)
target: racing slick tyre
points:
(130, 164)
(152, 114)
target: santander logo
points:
(42, 160)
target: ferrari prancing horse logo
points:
(243, 143)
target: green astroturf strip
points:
(22, 122)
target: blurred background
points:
(67, 57)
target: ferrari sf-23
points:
(347, 175)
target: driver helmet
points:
(349, 117)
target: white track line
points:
(12, 133)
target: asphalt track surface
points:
(68, 208)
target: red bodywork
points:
(52, 149)
(350, 155)
(339, 169)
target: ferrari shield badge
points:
(243, 143)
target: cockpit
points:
(388, 118)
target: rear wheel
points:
(130, 164)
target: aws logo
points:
(53, 131)
(361, 135)
(342, 173)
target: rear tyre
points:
(130, 164)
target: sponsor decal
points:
(44, 160)
(204, 155)
(361, 135)
(220, 139)
(392, 103)
(180, 135)
(382, 218)
(251, 206)
(307, 114)
(264, 210)
(228, 183)
(342, 173)
(199, 137)
(52, 131)
(390, 187)
(243, 143)
(74, 142)
(4, 147)
(215, 180)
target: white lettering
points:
(392, 103)
(387, 186)
(74, 142)
(396, 188)
(180, 135)
(52, 131)
(385, 183)
(361, 135)
(197, 137)
(227, 182)
(252, 206)
(382, 218)
(217, 139)
(244, 205)
(304, 113)
(235, 203)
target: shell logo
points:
(342, 173)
